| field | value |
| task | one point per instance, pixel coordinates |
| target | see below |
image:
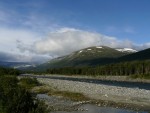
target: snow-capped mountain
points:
(127, 50)
(85, 57)
(93, 56)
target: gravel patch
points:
(102, 92)
(111, 78)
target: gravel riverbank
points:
(134, 96)
(110, 78)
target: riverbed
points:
(62, 105)
(132, 97)
(89, 108)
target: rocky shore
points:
(110, 78)
(139, 98)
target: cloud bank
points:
(66, 40)
(11, 57)
(22, 34)
(28, 46)
(9, 40)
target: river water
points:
(139, 85)
(59, 103)
(89, 108)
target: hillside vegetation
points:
(8, 71)
(14, 98)
(93, 57)
(136, 69)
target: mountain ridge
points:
(90, 56)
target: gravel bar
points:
(140, 97)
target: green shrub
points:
(16, 99)
(9, 71)
(142, 76)
(28, 83)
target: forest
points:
(134, 69)
(9, 71)
(15, 96)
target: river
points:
(91, 108)
(139, 85)
(83, 108)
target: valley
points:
(100, 77)
(74, 56)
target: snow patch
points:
(99, 47)
(127, 50)
(89, 49)
(80, 51)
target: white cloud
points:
(12, 57)
(18, 31)
(142, 46)
(24, 45)
(12, 39)
(29, 44)
(9, 38)
(66, 40)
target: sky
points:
(39, 30)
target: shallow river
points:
(84, 108)
(89, 108)
(139, 85)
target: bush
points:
(29, 83)
(16, 99)
(142, 76)
(9, 71)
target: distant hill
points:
(91, 56)
(16, 64)
(11, 60)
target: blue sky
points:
(41, 27)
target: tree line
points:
(9, 71)
(134, 68)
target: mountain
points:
(141, 55)
(91, 56)
(16, 64)
(93, 53)
(14, 60)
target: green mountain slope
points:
(85, 57)
(141, 55)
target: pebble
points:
(95, 90)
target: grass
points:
(28, 83)
(66, 94)
(144, 76)
(69, 95)
(37, 88)
(41, 89)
